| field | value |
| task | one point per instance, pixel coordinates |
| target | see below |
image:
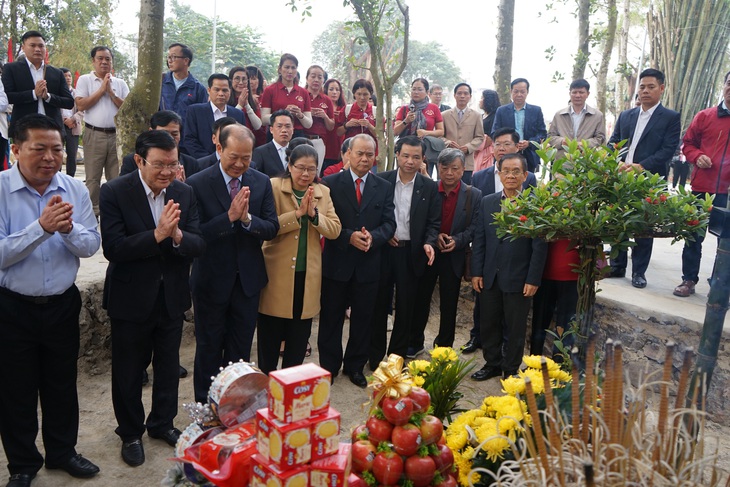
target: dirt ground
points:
(98, 442)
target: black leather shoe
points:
(486, 372)
(638, 281)
(507, 375)
(471, 346)
(617, 272)
(170, 436)
(77, 466)
(183, 372)
(357, 378)
(20, 480)
(133, 453)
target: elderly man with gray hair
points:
(459, 214)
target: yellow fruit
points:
(327, 429)
(273, 482)
(275, 445)
(298, 438)
(321, 394)
(275, 390)
(298, 480)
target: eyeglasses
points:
(158, 166)
(173, 58)
(513, 172)
(508, 144)
(305, 170)
(240, 79)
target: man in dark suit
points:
(526, 119)
(351, 264)
(459, 215)
(170, 122)
(150, 234)
(33, 86)
(652, 135)
(270, 158)
(408, 253)
(213, 158)
(506, 274)
(488, 182)
(237, 213)
(200, 117)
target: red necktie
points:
(358, 193)
(234, 187)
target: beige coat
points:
(470, 132)
(281, 252)
(592, 129)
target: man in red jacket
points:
(706, 147)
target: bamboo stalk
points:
(536, 426)
(618, 401)
(575, 394)
(664, 404)
(589, 395)
(551, 419)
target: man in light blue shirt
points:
(46, 225)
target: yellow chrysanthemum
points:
(495, 447)
(538, 386)
(513, 386)
(560, 375)
(446, 354)
(486, 429)
(457, 441)
(418, 380)
(415, 367)
(533, 361)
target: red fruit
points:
(406, 439)
(442, 440)
(431, 429)
(378, 429)
(444, 460)
(421, 399)
(693, 223)
(397, 411)
(363, 453)
(663, 198)
(648, 199)
(523, 218)
(420, 470)
(358, 432)
(448, 481)
(556, 194)
(387, 467)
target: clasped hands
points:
(56, 216)
(239, 206)
(308, 205)
(167, 225)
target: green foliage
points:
(235, 46)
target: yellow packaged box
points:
(266, 474)
(296, 393)
(285, 445)
(331, 471)
(325, 434)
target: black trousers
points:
(72, 148)
(397, 269)
(39, 347)
(503, 327)
(133, 345)
(295, 332)
(640, 256)
(223, 333)
(336, 296)
(553, 298)
(449, 287)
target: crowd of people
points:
(260, 205)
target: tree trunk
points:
(503, 61)
(606, 55)
(581, 57)
(623, 91)
(589, 250)
(144, 98)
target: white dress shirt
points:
(157, 203)
(37, 75)
(402, 200)
(643, 120)
(102, 114)
(281, 150)
(217, 113)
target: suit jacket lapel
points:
(490, 180)
(633, 117)
(218, 185)
(416, 197)
(371, 185)
(141, 204)
(349, 189)
(655, 118)
(460, 211)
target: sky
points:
(466, 29)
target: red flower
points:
(523, 218)
(693, 223)
(648, 199)
(556, 194)
(663, 198)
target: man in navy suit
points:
(237, 213)
(652, 135)
(526, 119)
(150, 235)
(270, 158)
(351, 263)
(200, 117)
(33, 86)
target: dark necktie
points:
(234, 184)
(358, 193)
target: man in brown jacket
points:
(577, 121)
(463, 128)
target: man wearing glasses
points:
(150, 235)
(180, 88)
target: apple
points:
(378, 430)
(420, 470)
(444, 460)
(388, 467)
(360, 433)
(363, 453)
(397, 410)
(442, 440)
(432, 429)
(421, 399)
(406, 439)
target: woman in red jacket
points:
(285, 94)
(419, 117)
(359, 118)
(332, 143)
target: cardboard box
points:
(325, 434)
(296, 393)
(266, 474)
(285, 445)
(331, 471)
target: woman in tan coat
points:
(294, 261)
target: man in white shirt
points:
(99, 95)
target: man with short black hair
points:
(46, 225)
(463, 129)
(436, 94)
(99, 95)
(199, 119)
(270, 158)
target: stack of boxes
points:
(298, 433)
